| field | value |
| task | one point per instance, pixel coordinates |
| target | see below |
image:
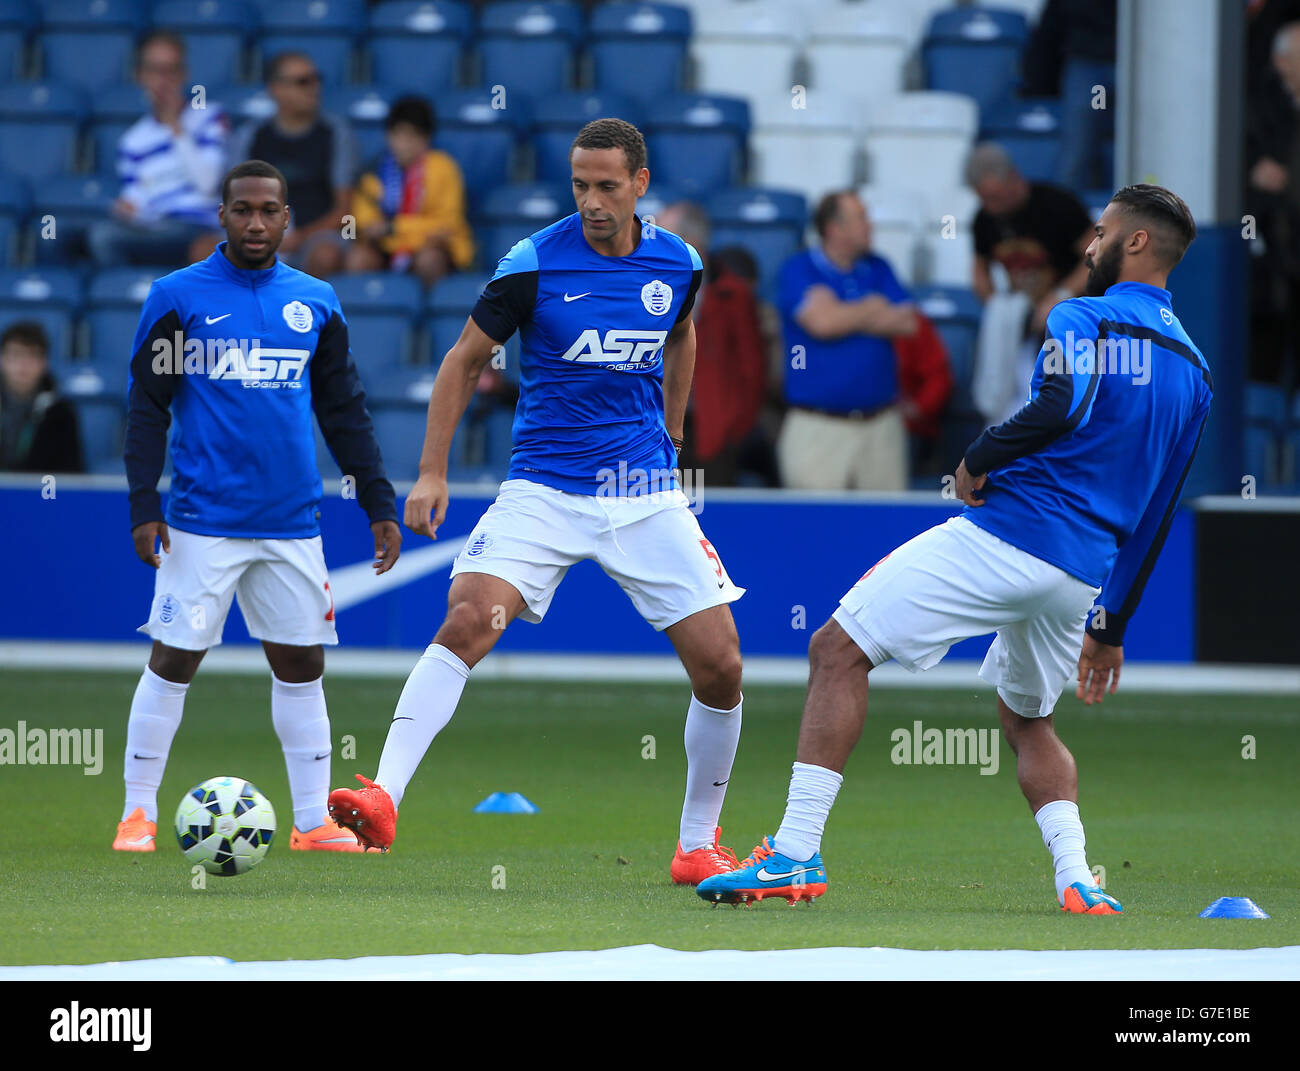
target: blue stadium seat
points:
(1030, 131)
(514, 212)
(365, 108)
(15, 201)
(114, 299)
(17, 21)
(89, 43)
(975, 51)
(557, 120)
(416, 45)
(50, 296)
(10, 240)
(112, 111)
(215, 34)
(658, 197)
(326, 30)
(639, 49)
(400, 385)
(380, 309)
(696, 141)
(1265, 427)
(956, 316)
(529, 48)
(480, 136)
(1095, 201)
(244, 104)
(75, 202)
(399, 428)
(769, 223)
(1293, 445)
(39, 122)
(449, 304)
(101, 420)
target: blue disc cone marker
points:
(1233, 907)
(506, 803)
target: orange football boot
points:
(691, 868)
(135, 833)
(329, 837)
(368, 812)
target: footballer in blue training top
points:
(1067, 506)
(243, 351)
(602, 303)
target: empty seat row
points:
(422, 45)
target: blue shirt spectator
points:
(846, 372)
(841, 308)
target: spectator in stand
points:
(410, 211)
(315, 152)
(841, 308)
(730, 358)
(1069, 55)
(170, 164)
(1273, 200)
(1030, 239)
(38, 429)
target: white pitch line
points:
(651, 962)
(1171, 678)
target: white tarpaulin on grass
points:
(650, 962)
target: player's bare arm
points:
(426, 505)
(679, 369)
(967, 485)
(1099, 666)
(146, 538)
(388, 545)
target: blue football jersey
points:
(243, 360)
(1088, 473)
(592, 330)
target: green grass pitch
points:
(918, 857)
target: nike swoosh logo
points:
(719, 784)
(324, 756)
(575, 296)
(214, 319)
(403, 719)
(765, 875)
(144, 756)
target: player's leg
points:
(156, 711)
(656, 552)
(910, 606)
(300, 717)
(709, 648)
(1029, 662)
(479, 607)
(193, 587)
(285, 598)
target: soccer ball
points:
(225, 825)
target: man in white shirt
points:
(170, 163)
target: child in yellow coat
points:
(410, 211)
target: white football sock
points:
(427, 703)
(812, 793)
(1063, 835)
(156, 710)
(303, 726)
(711, 739)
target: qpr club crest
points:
(657, 297)
(479, 545)
(298, 317)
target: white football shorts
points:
(282, 586)
(955, 581)
(650, 544)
